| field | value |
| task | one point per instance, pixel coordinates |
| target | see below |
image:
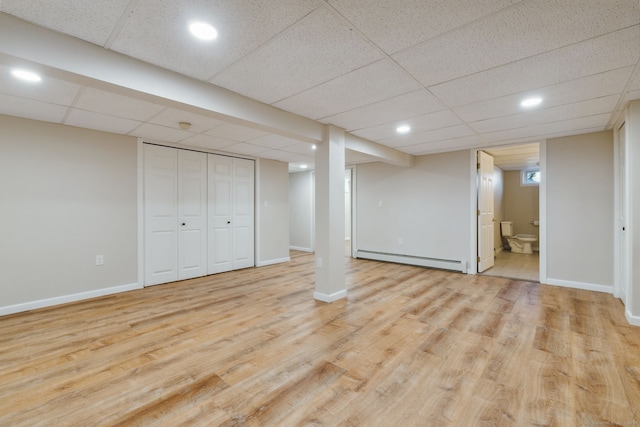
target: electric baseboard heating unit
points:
(445, 264)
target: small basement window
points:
(530, 177)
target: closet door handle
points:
(228, 222)
(184, 223)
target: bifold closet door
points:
(231, 213)
(175, 211)
(243, 213)
(192, 214)
(160, 214)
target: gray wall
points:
(521, 204)
(273, 211)
(498, 205)
(427, 206)
(68, 194)
(579, 182)
(301, 211)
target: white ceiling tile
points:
(548, 115)
(527, 29)
(110, 103)
(576, 125)
(609, 52)
(572, 91)
(160, 133)
(31, 109)
(390, 110)
(426, 122)
(443, 145)
(97, 121)
(89, 20)
(235, 132)
(317, 49)
(366, 85)
(49, 90)
(246, 149)
(157, 32)
(430, 136)
(206, 141)
(171, 117)
(303, 148)
(273, 141)
(398, 25)
(275, 155)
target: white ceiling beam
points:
(391, 156)
(81, 62)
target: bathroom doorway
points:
(516, 178)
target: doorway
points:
(516, 199)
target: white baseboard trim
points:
(300, 248)
(633, 320)
(64, 299)
(273, 261)
(579, 285)
(330, 298)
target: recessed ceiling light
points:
(303, 166)
(26, 75)
(203, 31)
(313, 147)
(403, 129)
(531, 102)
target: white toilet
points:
(520, 243)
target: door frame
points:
(622, 271)
(472, 266)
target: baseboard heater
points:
(445, 264)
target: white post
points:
(330, 208)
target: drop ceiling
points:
(455, 71)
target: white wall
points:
(427, 206)
(301, 211)
(579, 203)
(68, 194)
(273, 212)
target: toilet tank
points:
(506, 227)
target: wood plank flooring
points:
(408, 347)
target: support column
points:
(330, 242)
(632, 129)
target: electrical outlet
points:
(400, 240)
(319, 262)
(379, 203)
(99, 259)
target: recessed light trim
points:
(314, 147)
(531, 102)
(402, 129)
(26, 75)
(203, 31)
(303, 166)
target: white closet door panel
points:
(243, 213)
(161, 214)
(192, 210)
(220, 242)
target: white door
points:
(486, 219)
(231, 213)
(160, 214)
(192, 214)
(623, 249)
(242, 213)
(220, 215)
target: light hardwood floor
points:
(516, 266)
(408, 347)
